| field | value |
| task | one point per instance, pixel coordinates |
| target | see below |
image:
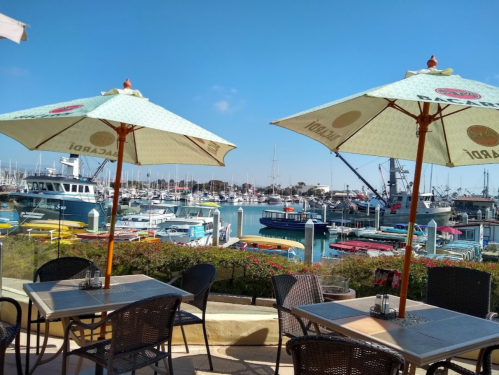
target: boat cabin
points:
(79, 188)
(290, 216)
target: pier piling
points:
(431, 242)
(240, 222)
(216, 227)
(309, 241)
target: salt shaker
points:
(96, 278)
(386, 304)
(378, 303)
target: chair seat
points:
(185, 318)
(99, 352)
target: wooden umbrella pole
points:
(122, 133)
(424, 121)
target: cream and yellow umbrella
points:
(119, 125)
(430, 116)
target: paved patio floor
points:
(243, 360)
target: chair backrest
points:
(296, 290)
(197, 280)
(460, 289)
(341, 355)
(142, 324)
(64, 268)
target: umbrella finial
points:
(127, 84)
(432, 62)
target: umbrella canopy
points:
(457, 117)
(449, 230)
(119, 125)
(12, 29)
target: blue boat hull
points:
(292, 225)
(38, 206)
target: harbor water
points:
(251, 225)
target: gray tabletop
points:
(61, 299)
(426, 335)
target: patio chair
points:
(196, 280)
(138, 331)
(9, 334)
(64, 268)
(461, 289)
(314, 355)
(436, 368)
(295, 290)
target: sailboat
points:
(274, 198)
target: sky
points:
(232, 67)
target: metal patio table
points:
(63, 299)
(426, 335)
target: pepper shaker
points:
(386, 304)
(378, 304)
(88, 278)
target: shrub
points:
(238, 272)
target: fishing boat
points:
(395, 208)
(291, 220)
(66, 196)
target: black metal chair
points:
(461, 289)
(9, 334)
(437, 367)
(138, 331)
(64, 268)
(295, 290)
(196, 280)
(314, 355)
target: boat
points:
(193, 226)
(395, 208)
(149, 218)
(272, 246)
(56, 196)
(289, 219)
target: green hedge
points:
(238, 272)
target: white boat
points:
(193, 226)
(340, 230)
(149, 218)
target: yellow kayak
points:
(5, 226)
(67, 223)
(272, 241)
(43, 234)
(40, 226)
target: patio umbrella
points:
(12, 29)
(119, 125)
(455, 118)
(449, 230)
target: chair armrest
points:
(90, 327)
(175, 278)
(281, 308)
(433, 369)
(491, 316)
(288, 311)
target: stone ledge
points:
(267, 302)
(230, 298)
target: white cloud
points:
(222, 106)
(15, 71)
